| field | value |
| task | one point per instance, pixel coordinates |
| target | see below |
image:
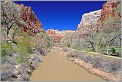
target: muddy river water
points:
(56, 67)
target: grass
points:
(94, 53)
(88, 49)
(118, 49)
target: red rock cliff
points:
(30, 20)
(111, 10)
(55, 34)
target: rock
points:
(29, 72)
(87, 20)
(18, 66)
(111, 11)
(37, 52)
(56, 34)
(30, 19)
(105, 19)
(35, 61)
(25, 77)
(19, 78)
(10, 68)
(110, 8)
(16, 72)
(22, 72)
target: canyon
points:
(35, 54)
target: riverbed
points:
(56, 67)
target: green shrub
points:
(24, 48)
(113, 50)
(6, 49)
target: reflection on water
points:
(56, 67)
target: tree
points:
(10, 15)
(92, 35)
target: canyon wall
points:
(109, 15)
(111, 9)
(31, 22)
(89, 20)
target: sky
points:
(61, 15)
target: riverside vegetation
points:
(97, 43)
(21, 51)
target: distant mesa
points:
(56, 34)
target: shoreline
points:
(100, 73)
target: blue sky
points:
(61, 15)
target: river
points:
(56, 67)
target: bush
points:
(20, 58)
(22, 69)
(42, 42)
(109, 64)
(98, 62)
(113, 50)
(7, 68)
(23, 48)
(73, 54)
(86, 58)
(112, 66)
(7, 72)
(6, 49)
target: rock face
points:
(89, 20)
(109, 15)
(111, 8)
(64, 32)
(31, 22)
(55, 34)
(58, 35)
